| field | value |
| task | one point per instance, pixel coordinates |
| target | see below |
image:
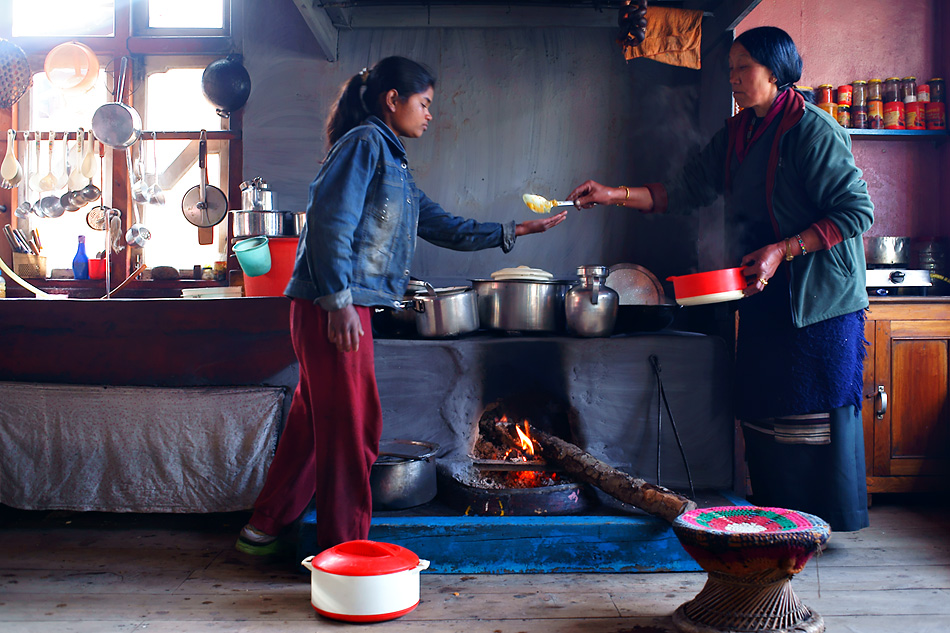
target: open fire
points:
(506, 456)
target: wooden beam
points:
(478, 17)
(320, 25)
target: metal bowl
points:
(404, 474)
(255, 223)
(515, 305)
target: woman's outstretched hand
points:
(540, 226)
(344, 329)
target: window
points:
(166, 91)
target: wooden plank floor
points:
(97, 573)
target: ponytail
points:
(403, 75)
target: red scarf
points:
(750, 129)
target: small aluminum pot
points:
(254, 223)
(293, 223)
(450, 312)
(516, 305)
(404, 474)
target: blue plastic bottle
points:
(81, 261)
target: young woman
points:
(364, 214)
(796, 208)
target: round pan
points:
(115, 124)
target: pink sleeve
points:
(660, 199)
(828, 232)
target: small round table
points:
(750, 555)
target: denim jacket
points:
(363, 217)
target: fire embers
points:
(633, 23)
(507, 457)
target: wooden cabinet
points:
(906, 408)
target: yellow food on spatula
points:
(537, 203)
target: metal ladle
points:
(24, 208)
(137, 235)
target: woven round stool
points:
(750, 555)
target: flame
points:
(527, 444)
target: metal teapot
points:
(257, 196)
(590, 305)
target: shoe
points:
(256, 543)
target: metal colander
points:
(15, 75)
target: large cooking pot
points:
(446, 312)
(404, 474)
(887, 251)
(364, 581)
(516, 305)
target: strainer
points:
(15, 75)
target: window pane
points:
(63, 17)
(175, 102)
(186, 14)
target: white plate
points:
(522, 272)
(715, 297)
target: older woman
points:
(796, 208)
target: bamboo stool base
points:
(759, 603)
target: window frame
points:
(126, 42)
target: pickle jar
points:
(892, 90)
(909, 89)
(859, 93)
(875, 90)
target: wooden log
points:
(581, 465)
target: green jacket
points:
(811, 181)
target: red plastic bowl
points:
(713, 286)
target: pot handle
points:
(307, 562)
(423, 564)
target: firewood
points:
(582, 466)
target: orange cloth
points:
(672, 37)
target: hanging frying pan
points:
(115, 124)
(204, 205)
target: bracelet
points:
(788, 251)
(801, 243)
(627, 192)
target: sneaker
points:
(256, 543)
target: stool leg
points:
(763, 602)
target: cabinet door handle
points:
(881, 402)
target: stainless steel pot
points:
(403, 475)
(447, 312)
(887, 251)
(516, 305)
(115, 124)
(254, 223)
(293, 223)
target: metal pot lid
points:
(408, 449)
(635, 284)
(214, 209)
(365, 558)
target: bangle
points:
(626, 192)
(788, 251)
(801, 243)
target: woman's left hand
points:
(540, 226)
(761, 266)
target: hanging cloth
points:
(673, 37)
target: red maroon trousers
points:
(331, 438)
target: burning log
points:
(582, 466)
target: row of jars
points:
(891, 104)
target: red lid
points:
(365, 558)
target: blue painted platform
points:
(531, 544)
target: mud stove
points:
(499, 512)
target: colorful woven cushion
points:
(749, 520)
(743, 540)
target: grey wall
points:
(516, 111)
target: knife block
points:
(29, 266)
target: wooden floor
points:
(96, 573)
